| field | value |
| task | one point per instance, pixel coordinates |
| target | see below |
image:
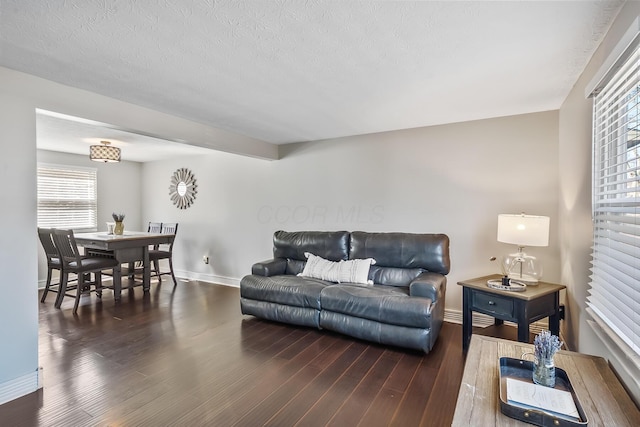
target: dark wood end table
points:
(523, 308)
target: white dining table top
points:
(130, 239)
(128, 235)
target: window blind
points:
(614, 293)
(67, 197)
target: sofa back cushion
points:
(331, 245)
(403, 250)
(392, 276)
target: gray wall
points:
(453, 179)
(574, 209)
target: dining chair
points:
(136, 267)
(165, 251)
(53, 261)
(73, 262)
(154, 227)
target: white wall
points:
(575, 202)
(119, 190)
(18, 305)
(452, 179)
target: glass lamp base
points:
(523, 268)
(528, 280)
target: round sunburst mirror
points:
(183, 188)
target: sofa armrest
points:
(270, 267)
(429, 285)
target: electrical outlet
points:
(205, 259)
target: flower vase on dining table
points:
(118, 229)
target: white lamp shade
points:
(523, 230)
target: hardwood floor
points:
(189, 357)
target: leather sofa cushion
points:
(383, 333)
(288, 290)
(405, 250)
(386, 304)
(392, 276)
(331, 245)
(303, 316)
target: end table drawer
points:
(493, 304)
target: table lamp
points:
(523, 230)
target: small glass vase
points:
(118, 228)
(544, 371)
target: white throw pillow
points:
(355, 271)
(350, 271)
(320, 268)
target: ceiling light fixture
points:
(104, 153)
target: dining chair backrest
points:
(154, 227)
(53, 261)
(170, 228)
(46, 239)
(67, 248)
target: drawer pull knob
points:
(492, 303)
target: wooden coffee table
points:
(602, 396)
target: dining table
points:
(129, 247)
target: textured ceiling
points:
(287, 71)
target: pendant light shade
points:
(104, 153)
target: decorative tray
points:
(513, 285)
(545, 406)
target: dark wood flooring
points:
(187, 357)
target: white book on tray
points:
(537, 396)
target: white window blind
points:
(67, 197)
(614, 294)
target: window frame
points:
(613, 301)
(63, 209)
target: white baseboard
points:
(209, 278)
(20, 386)
(181, 274)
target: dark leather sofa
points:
(404, 307)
